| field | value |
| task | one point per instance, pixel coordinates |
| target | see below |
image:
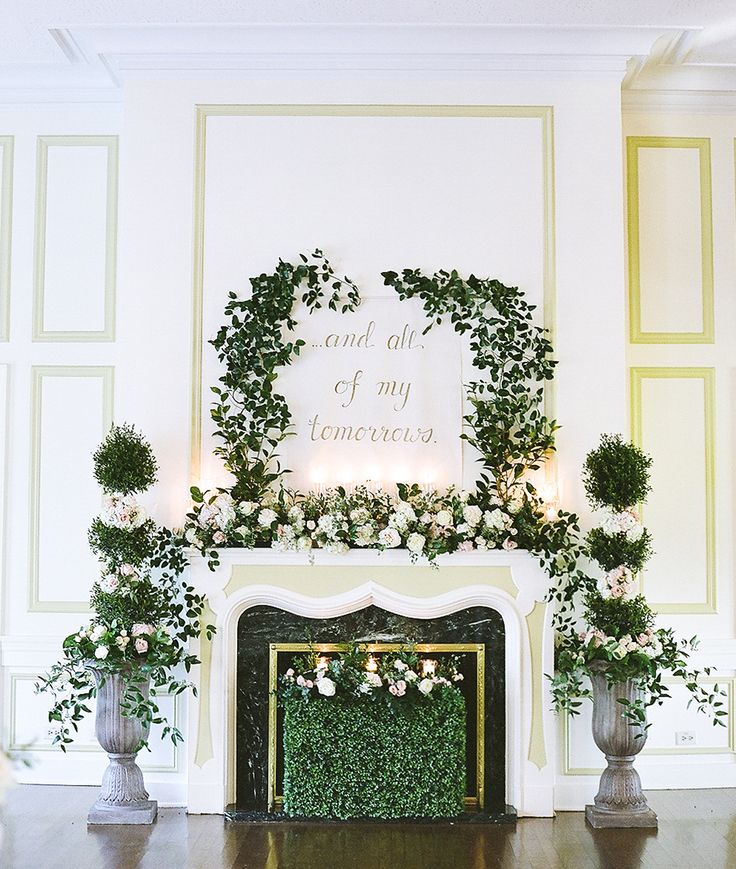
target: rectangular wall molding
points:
(75, 436)
(670, 240)
(686, 488)
(76, 238)
(6, 224)
(542, 114)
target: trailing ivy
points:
(250, 416)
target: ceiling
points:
(673, 45)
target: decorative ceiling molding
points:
(105, 56)
(94, 61)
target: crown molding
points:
(104, 57)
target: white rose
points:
(390, 538)
(247, 507)
(472, 514)
(415, 543)
(97, 632)
(425, 518)
(410, 676)
(374, 680)
(304, 543)
(425, 686)
(101, 652)
(444, 518)
(326, 687)
(267, 517)
(400, 665)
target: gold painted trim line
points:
(544, 114)
(6, 232)
(107, 333)
(636, 334)
(707, 375)
(476, 802)
(39, 373)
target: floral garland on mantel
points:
(507, 426)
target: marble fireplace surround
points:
(512, 583)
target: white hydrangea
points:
(123, 511)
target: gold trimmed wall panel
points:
(542, 113)
(38, 374)
(707, 376)
(107, 333)
(706, 334)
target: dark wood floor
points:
(45, 828)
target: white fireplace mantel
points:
(328, 585)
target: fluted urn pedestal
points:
(123, 798)
(620, 801)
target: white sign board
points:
(372, 398)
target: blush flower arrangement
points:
(426, 523)
(143, 616)
(618, 635)
(355, 672)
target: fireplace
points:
(267, 637)
(261, 597)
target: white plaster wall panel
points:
(6, 222)
(376, 193)
(670, 240)
(674, 432)
(72, 411)
(75, 237)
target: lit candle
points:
(371, 664)
(428, 667)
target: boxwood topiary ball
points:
(124, 461)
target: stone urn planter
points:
(620, 801)
(123, 798)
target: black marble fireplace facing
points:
(260, 626)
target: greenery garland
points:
(507, 427)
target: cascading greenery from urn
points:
(144, 615)
(619, 635)
(507, 427)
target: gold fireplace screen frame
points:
(472, 802)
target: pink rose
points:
(300, 681)
(290, 672)
(393, 689)
(309, 683)
(139, 629)
(509, 544)
(219, 538)
(141, 645)
(466, 546)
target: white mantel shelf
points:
(326, 585)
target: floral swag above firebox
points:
(512, 359)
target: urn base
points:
(143, 812)
(600, 820)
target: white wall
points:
(573, 263)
